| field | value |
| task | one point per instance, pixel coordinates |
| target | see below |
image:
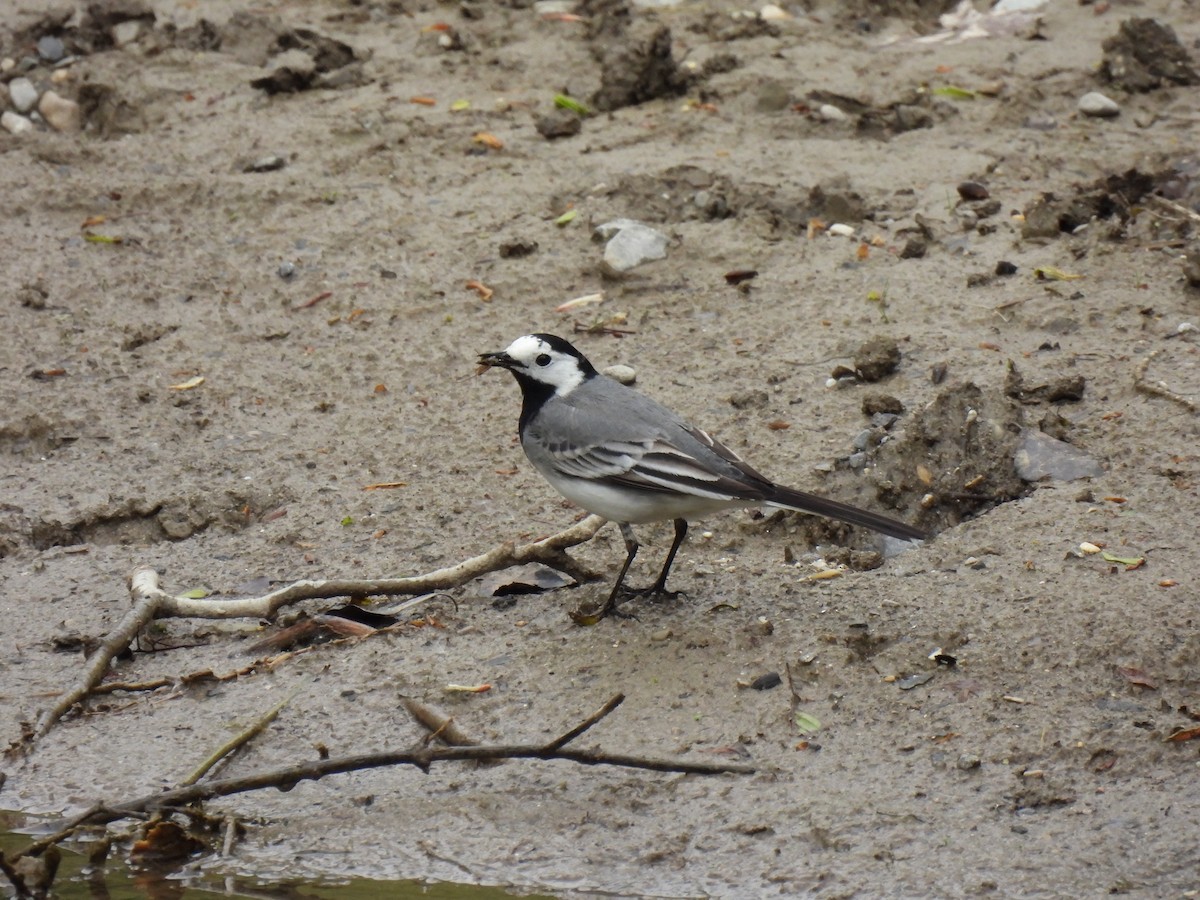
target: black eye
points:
(543, 359)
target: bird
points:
(616, 452)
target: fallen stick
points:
(548, 551)
(422, 757)
(152, 602)
(1157, 389)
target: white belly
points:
(637, 507)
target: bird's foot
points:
(590, 615)
(657, 592)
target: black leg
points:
(660, 586)
(631, 549)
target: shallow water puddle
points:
(118, 881)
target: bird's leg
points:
(631, 549)
(660, 586)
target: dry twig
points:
(1157, 388)
(152, 602)
(423, 757)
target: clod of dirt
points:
(291, 71)
(964, 442)
(877, 358)
(637, 68)
(1064, 389)
(1145, 55)
(558, 123)
(1112, 196)
(878, 402)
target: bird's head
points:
(543, 362)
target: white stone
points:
(60, 113)
(831, 113)
(1096, 104)
(840, 230)
(125, 33)
(773, 13)
(629, 245)
(14, 123)
(623, 374)
(24, 95)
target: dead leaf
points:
(1137, 677)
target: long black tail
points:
(844, 512)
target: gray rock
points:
(629, 244)
(1098, 106)
(23, 94)
(1040, 456)
(51, 48)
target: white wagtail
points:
(619, 454)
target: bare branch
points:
(1157, 388)
(152, 602)
(421, 757)
(143, 586)
(549, 551)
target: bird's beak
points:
(501, 359)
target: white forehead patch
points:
(545, 364)
(526, 348)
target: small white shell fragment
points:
(841, 230)
(585, 300)
(773, 13)
(1088, 547)
(831, 113)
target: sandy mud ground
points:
(289, 201)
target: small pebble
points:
(969, 761)
(1005, 268)
(624, 374)
(60, 113)
(266, 164)
(125, 33)
(973, 190)
(1098, 106)
(662, 634)
(840, 230)
(14, 123)
(831, 113)
(766, 682)
(23, 94)
(50, 48)
(287, 270)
